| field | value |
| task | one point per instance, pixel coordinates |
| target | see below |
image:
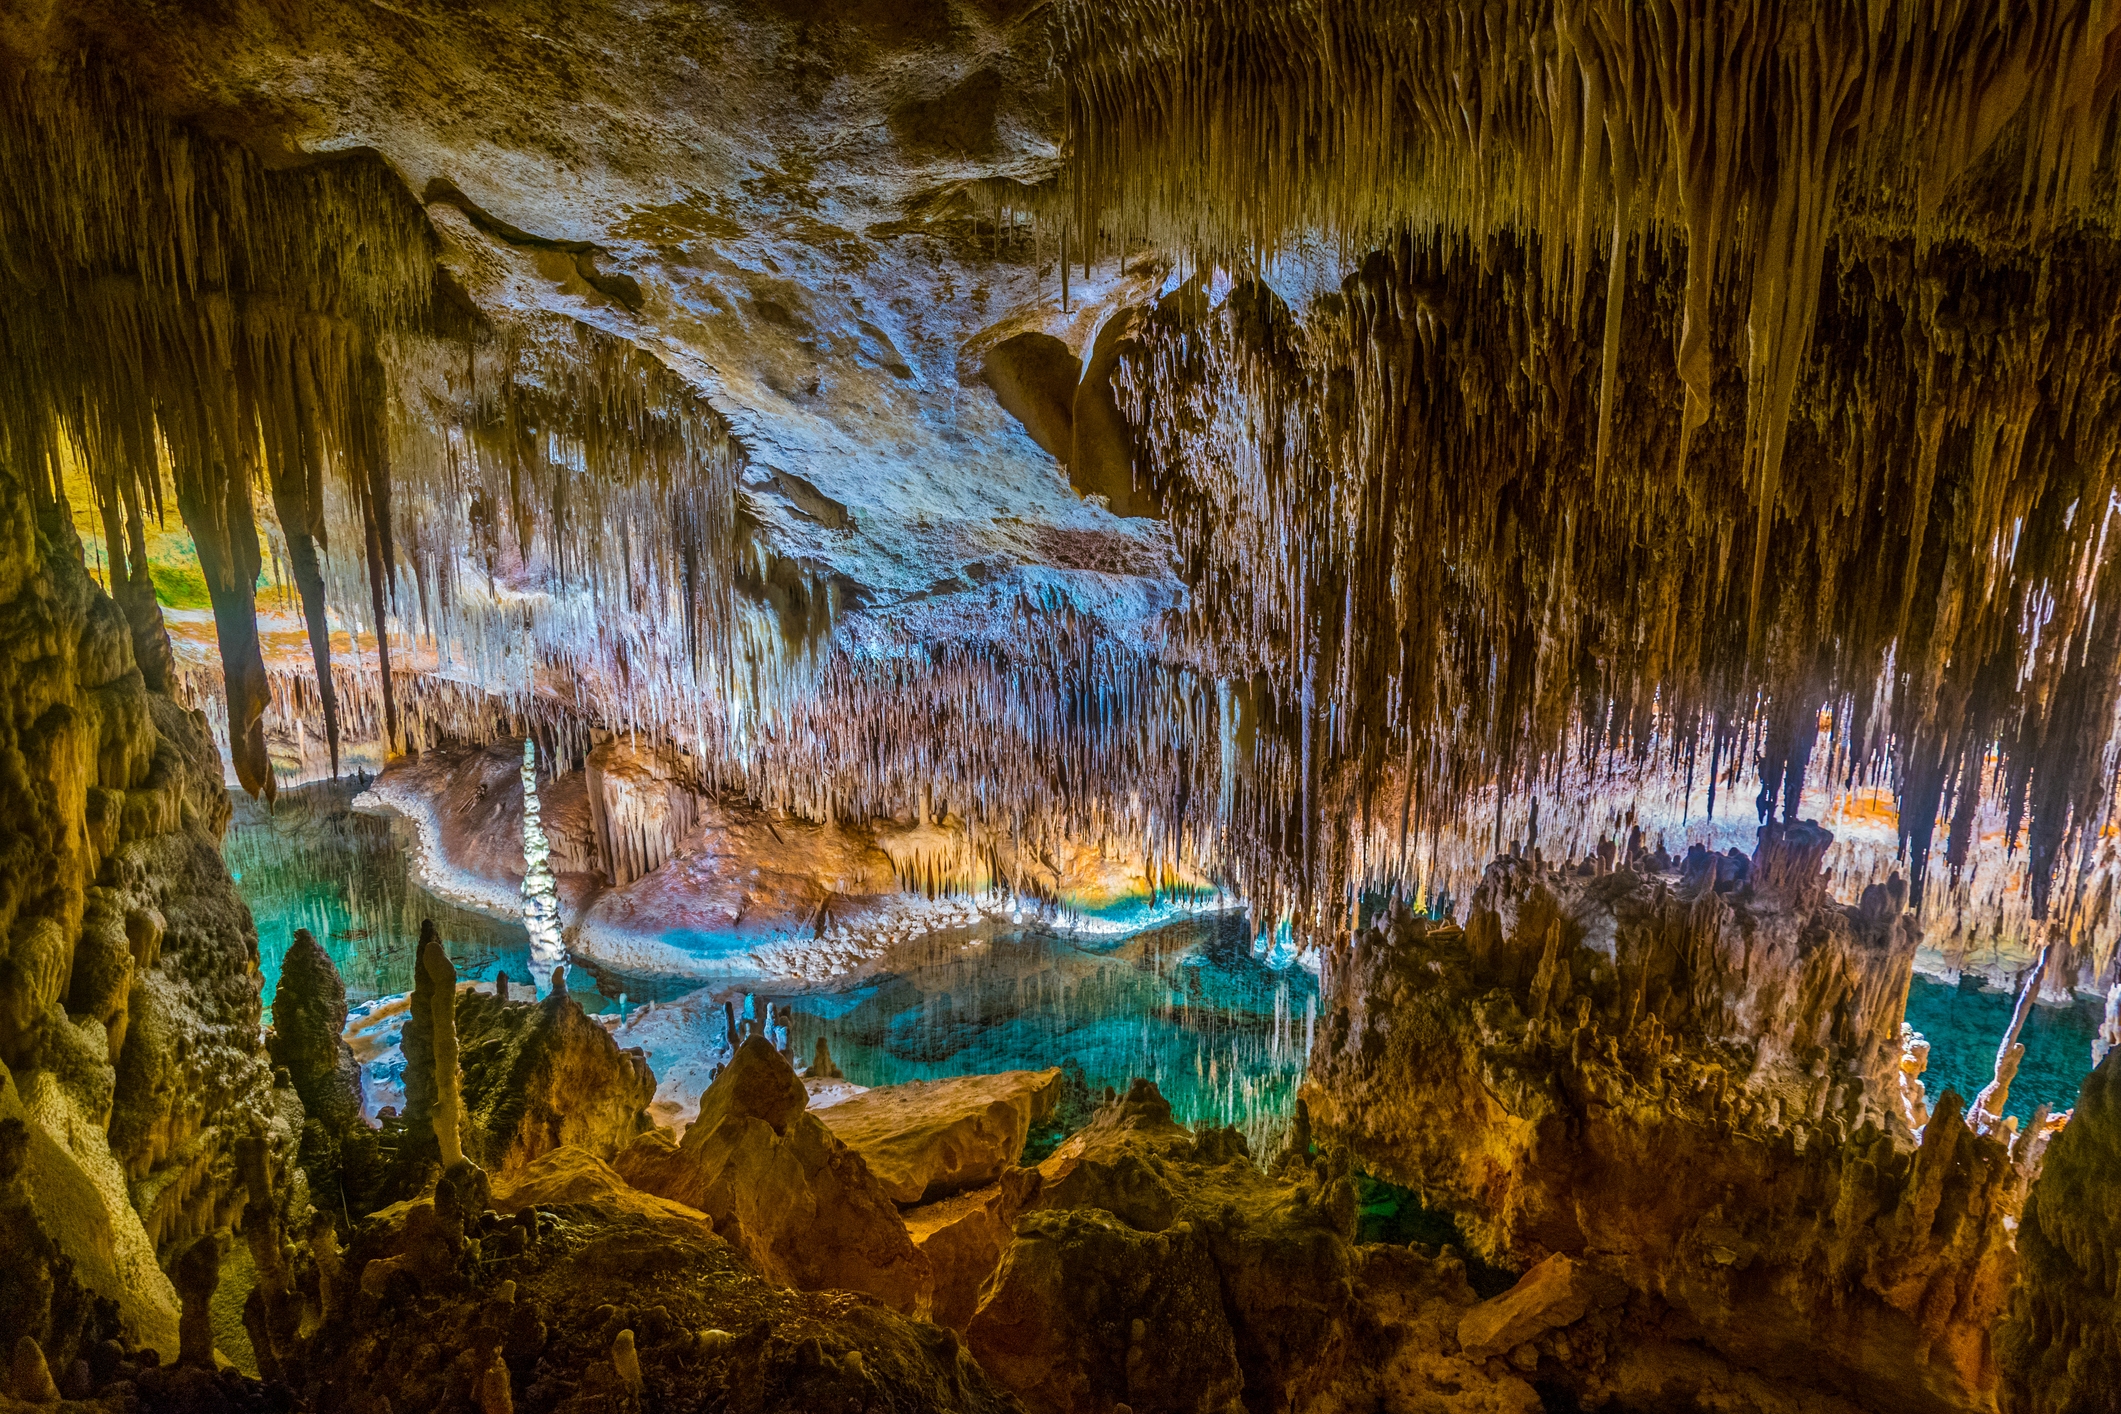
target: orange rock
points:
(801, 1205)
(573, 1175)
(964, 1236)
(927, 1139)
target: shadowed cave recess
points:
(1215, 706)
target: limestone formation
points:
(29, 1378)
(541, 1075)
(963, 1238)
(309, 1019)
(595, 1294)
(1695, 1093)
(2060, 1343)
(434, 996)
(800, 1205)
(783, 467)
(821, 1064)
(117, 905)
(927, 1139)
(1556, 1293)
(198, 1272)
(1161, 1270)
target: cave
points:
(1060, 707)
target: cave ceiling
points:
(1258, 429)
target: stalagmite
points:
(2108, 1037)
(29, 1378)
(197, 1272)
(495, 1394)
(438, 978)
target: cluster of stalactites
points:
(1745, 134)
(1393, 520)
(177, 315)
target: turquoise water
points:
(1186, 1004)
(1963, 1025)
(311, 861)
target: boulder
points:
(1558, 1292)
(927, 1139)
(799, 1204)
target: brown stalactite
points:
(217, 510)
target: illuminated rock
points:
(927, 1139)
(801, 1206)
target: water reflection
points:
(312, 861)
(1187, 1004)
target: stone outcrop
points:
(963, 1238)
(540, 1075)
(928, 1139)
(1161, 1270)
(574, 1292)
(2060, 1345)
(531, 1077)
(1696, 1092)
(130, 1064)
(800, 1205)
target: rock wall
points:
(1689, 1085)
(129, 1011)
(2061, 1343)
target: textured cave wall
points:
(2060, 1345)
(1693, 1090)
(128, 987)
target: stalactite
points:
(171, 297)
